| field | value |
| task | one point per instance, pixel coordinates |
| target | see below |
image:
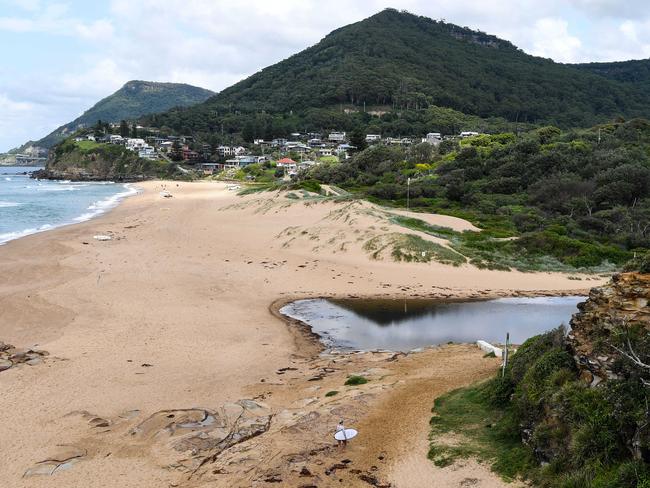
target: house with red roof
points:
(287, 163)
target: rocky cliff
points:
(99, 162)
(623, 301)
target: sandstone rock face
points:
(624, 299)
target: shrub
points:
(355, 380)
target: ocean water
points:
(28, 206)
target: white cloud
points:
(551, 39)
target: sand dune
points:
(173, 314)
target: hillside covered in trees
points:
(133, 100)
(398, 62)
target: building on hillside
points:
(287, 164)
(465, 134)
(147, 152)
(278, 142)
(211, 168)
(135, 144)
(433, 138)
(116, 139)
(325, 152)
(315, 142)
(336, 137)
(370, 138)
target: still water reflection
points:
(401, 325)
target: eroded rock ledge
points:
(624, 300)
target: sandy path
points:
(185, 287)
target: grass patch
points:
(355, 380)
(467, 414)
(331, 393)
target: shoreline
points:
(181, 311)
(101, 207)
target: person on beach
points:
(341, 428)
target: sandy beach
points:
(176, 318)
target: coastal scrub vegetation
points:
(538, 420)
(355, 380)
(546, 199)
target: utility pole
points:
(505, 355)
(408, 194)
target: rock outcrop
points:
(623, 301)
(11, 356)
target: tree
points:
(124, 128)
(175, 153)
(134, 131)
(358, 139)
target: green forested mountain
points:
(402, 62)
(133, 100)
(635, 72)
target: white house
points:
(116, 139)
(373, 137)
(468, 134)
(433, 138)
(147, 152)
(135, 144)
(326, 151)
(337, 136)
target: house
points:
(373, 138)
(278, 142)
(166, 146)
(433, 138)
(79, 139)
(224, 151)
(90, 137)
(326, 151)
(288, 164)
(210, 168)
(245, 160)
(465, 134)
(258, 142)
(135, 144)
(315, 142)
(115, 139)
(337, 137)
(147, 152)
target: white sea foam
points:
(4, 204)
(97, 208)
(101, 206)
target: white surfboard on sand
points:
(345, 435)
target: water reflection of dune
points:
(407, 324)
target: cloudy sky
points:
(60, 57)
